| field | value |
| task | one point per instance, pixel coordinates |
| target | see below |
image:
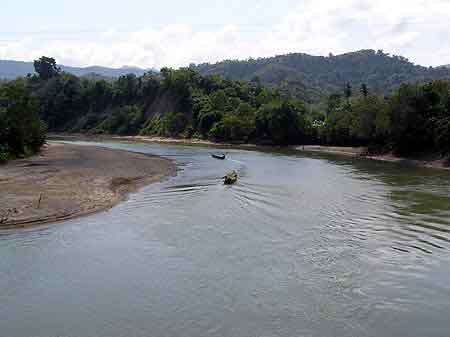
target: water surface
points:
(301, 246)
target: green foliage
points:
(281, 122)
(4, 153)
(179, 103)
(173, 124)
(443, 136)
(232, 128)
(348, 91)
(21, 130)
(313, 78)
(182, 103)
(370, 119)
(126, 120)
(364, 90)
(152, 127)
(413, 120)
(46, 68)
(416, 113)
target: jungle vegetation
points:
(414, 118)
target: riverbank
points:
(429, 161)
(148, 139)
(66, 181)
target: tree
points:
(348, 91)
(21, 130)
(443, 136)
(411, 130)
(126, 89)
(174, 123)
(46, 68)
(334, 103)
(280, 122)
(364, 90)
(369, 120)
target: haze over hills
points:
(308, 77)
(12, 69)
(313, 77)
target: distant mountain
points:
(307, 77)
(104, 71)
(314, 77)
(13, 69)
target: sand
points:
(432, 160)
(341, 150)
(66, 181)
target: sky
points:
(153, 34)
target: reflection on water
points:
(300, 246)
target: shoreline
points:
(68, 181)
(431, 161)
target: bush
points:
(281, 122)
(232, 127)
(443, 136)
(152, 127)
(4, 153)
(173, 124)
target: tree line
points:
(173, 103)
(414, 119)
(182, 103)
(313, 78)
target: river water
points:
(301, 246)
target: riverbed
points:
(302, 245)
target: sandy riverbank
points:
(341, 150)
(67, 181)
(148, 139)
(429, 160)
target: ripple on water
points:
(299, 246)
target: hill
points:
(313, 77)
(182, 103)
(13, 69)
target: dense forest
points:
(414, 119)
(174, 103)
(182, 103)
(312, 78)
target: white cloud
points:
(417, 29)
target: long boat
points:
(218, 156)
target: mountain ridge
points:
(307, 77)
(312, 78)
(10, 69)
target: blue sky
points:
(134, 14)
(176, 33)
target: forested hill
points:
(312, 78)
(182, 103)
(14, 69)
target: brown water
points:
(301, 246)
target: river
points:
(300, 246)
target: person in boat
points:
(230, 178)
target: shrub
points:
(4, 153)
